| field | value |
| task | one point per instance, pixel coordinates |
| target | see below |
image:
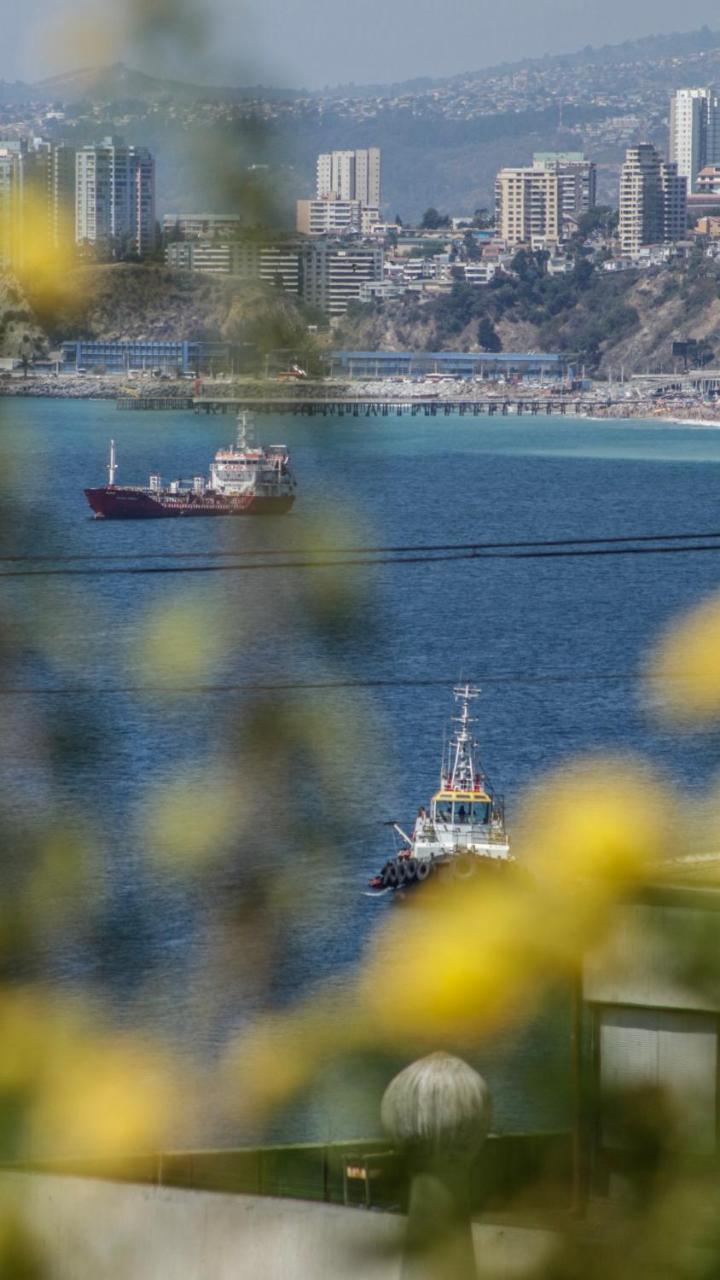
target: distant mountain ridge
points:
(118, 81)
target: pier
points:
(371, 407)
(363, 407)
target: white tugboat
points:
(465, 827)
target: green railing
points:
(362, 1171)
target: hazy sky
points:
(323, 42)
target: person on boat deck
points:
(421, 819)
(462, 815)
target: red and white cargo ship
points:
(245, 480)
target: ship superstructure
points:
(244, 479)
(465, 824)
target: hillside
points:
(133, 301)
(627, 319)
(442, 140)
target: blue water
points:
(144, 944)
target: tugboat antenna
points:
(112, 465)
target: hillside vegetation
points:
(627, 318)
(129, 300)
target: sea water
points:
(555, 644)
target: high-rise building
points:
(578, 180)
(330, 217)
(12, 185)
(274, 264)
(350, 175)
(201, 226)
(333, 273)
(37, 195)
(694, 132)
(528, 205)
(653, 200)
(115, 197)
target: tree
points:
(488, 337)
(471, 248)
(601, 220)
(432, 220)
(482, 219)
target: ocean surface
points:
(556, 646)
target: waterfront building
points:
(170, 356)
(457, 364)
(350, 175)
(577, 180)
(694, 132)
(653, 200)
(200, 226)
(115, 197)
(528, 205)
(333, 273)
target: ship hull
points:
(116, 503)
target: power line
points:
(319, 686)
(359, 561)
(359, 550)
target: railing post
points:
(438, 1113)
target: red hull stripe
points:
(138, 504)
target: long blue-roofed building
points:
(455, 364)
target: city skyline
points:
(278, 47)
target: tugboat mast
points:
(461, 775)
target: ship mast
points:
(112, 465)
(461, 767)
(244, 435)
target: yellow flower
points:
(685, 667)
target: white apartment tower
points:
(115, 196)
(653, 200)
(694, 132)
(350, 175)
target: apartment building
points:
(275, 264)
(333, 273)
(330, 217)
(11, 202)
(201, 226)
(37, 192)
(528, 206)
(577, 178)
(115, 196)
(694, 132)
(350, 175)
(653, 200)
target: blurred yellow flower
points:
(608, 818)
(684, 670)
(192, 819)
(80, 1090)
(112, 1096)
(184, 639)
